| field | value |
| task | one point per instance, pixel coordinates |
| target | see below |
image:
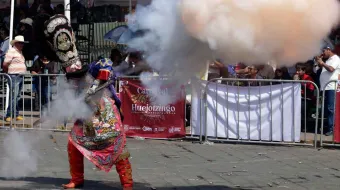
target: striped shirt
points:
(15, 61)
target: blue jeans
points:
(41, 87)
(15, 91)
(329, 108)
(2, 58)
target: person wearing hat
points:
(14, 65)
(27, 21)
(25, 29)
(330, 71)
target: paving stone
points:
(184, 165)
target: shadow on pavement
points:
(55, 183)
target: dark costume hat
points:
(57, 42)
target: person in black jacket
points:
(42, 66)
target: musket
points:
(105, 85)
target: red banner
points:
(336, 132)
(142, 118)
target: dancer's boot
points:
(76, 160)
(124, 170)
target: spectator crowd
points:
(320, 71)
(15, 54)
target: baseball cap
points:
(327, 44)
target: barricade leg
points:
(7, 97)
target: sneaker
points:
(8, 119)
(20, 118)
(330, 133)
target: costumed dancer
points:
(101, 139)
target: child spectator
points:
(307, 89)
(301, 75)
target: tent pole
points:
(67, 9)
(130, 6)
(11, 31)
(11, 25)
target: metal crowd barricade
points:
(30, 100)
(204, 138)
(6, 83)
(332, 142)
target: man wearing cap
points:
(330, 71)
(14, 65)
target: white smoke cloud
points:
(168, 47)
(286, 31)
(68, 104)
(19, 158)
(184, 34)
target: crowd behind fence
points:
(34, 103)
(211, 90)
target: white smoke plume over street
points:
(184, 34)
(19, 158)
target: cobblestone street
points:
(159, 164)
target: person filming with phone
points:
(330, 71)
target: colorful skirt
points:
(101, 140)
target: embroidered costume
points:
(101, 139)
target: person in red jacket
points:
(307, 89)
(302, 75)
